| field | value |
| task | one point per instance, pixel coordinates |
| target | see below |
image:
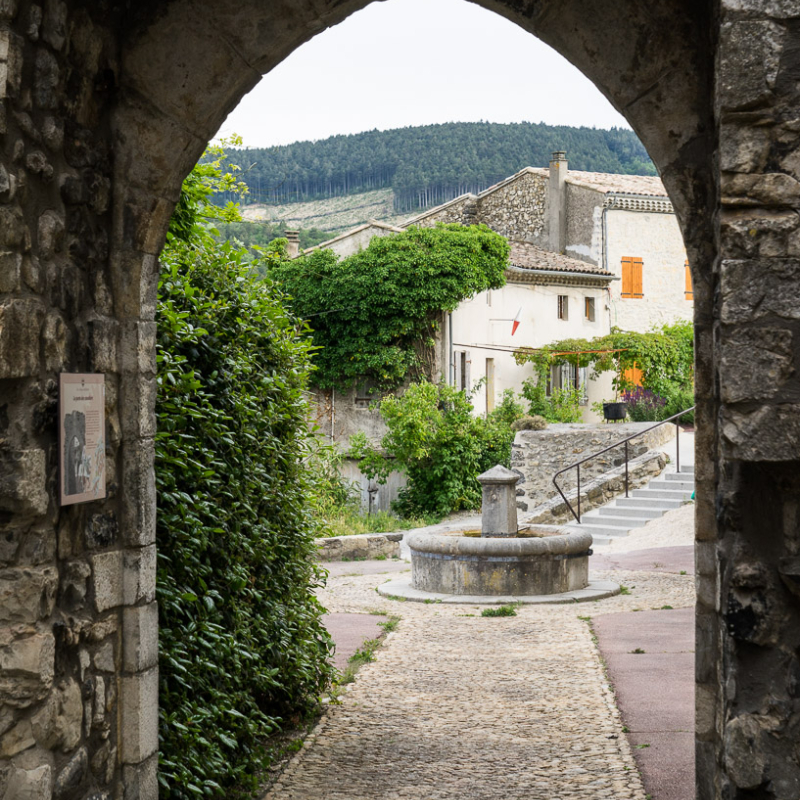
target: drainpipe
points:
(333, 416)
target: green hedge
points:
(242, 645)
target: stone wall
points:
(598, 491)
(537, 455)
(516, 209)
(78, 643)
(359, 547)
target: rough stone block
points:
(19, 738)
(20, 323)
(107, 581)
(23, 481)
(103, 345)
(139, 576)
(756, 363)
(30, 784)
(141, 780)
(51, 234)
(27, 663)
(137, 348)
(27, 595)
(750, 53)
(138, 406)
(104, 657)
(58, 723)
(54, 29)
(770, 433)
(57, 340)
(754, 289)
(138, 523)
(140, 637)
(72, 777)
(139, 710)
(10, 271)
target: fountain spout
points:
(499, 506)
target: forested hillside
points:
(431, 164)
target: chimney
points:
(557, 203)
(293, 243)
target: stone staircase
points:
(618, 518)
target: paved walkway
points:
(458, 707)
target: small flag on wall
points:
(515, 323)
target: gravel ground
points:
(457, 706)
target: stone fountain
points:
(501, 563)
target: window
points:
(462, 365)
(688, 291)
(569, 376)
(366, 393)
(632, 277)
(563, 306)
(590, 309)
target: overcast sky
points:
(416, 62)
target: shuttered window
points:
(688, 290)
(632, 277)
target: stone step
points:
(592, 518)
(598, 530)
(671, 486)
(683, 477)
(642, 512)
(662, 494)
(649, 502)
(687, 468)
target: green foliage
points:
(435, 439)
(252, 234)
(432, 164)
(563, 405)
(242, 645)
(375, 313)
(500, 611)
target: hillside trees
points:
(375, 314)
(432, 164)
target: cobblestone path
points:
(458, 706)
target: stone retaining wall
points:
(361, 545)
(598, 491)
(537, 455)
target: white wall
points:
(487, 318)
(656, 239)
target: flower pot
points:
(615, 411)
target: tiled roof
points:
(373, 223)
(628, 184)
(525, 256)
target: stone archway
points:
(105, 109)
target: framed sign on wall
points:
(82, 438)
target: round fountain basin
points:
(462, 565)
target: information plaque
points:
(82, 438)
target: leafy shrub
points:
(508, 410)
(644, 405)
(563, 405)
(375, 313)
(242, 645)
(435, 439)
(529, 423)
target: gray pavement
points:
(655, 693)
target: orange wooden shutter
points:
(688, 291)
(632, 277)
(626, 277)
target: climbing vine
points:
(376, 314)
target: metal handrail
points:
(577, 464)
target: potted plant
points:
(615, 412)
